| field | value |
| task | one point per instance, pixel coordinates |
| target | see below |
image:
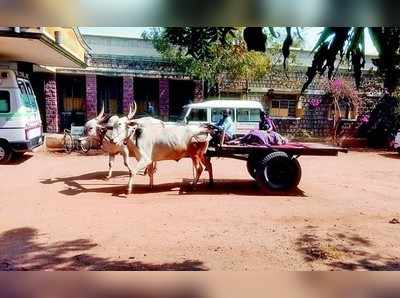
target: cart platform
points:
(293, 149)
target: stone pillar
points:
(91, 96)
(50, 93)
(164, 99)
(127, 93)
(198, 92)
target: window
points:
(248, 115)
(4, 101)
(31, 95)
(283, 108)
(22, 87)
(197, 115)
(29, 88)
(24, 93)
(216, 114)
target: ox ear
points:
(132, 113)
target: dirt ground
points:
(57, 213)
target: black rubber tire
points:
(7, 153)
(68, 143)
(278, 172)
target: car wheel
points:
(5, 153)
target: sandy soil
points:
(57, 213)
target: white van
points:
(245, 113)
(20, 123)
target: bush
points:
(384, 122)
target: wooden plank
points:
(311, 149)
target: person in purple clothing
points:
(266, 122)
(266, 135)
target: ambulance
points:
(20, 124)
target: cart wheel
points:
(5, 153)
(85, 145)
(68, 143)
(278, 171)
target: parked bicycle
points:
(75, 139)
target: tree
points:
(334, 43)
(210, 54)
(341, 91)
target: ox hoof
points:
(211, 184)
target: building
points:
(279, 91)
(34, 50)
(115, 71)
(120, 70)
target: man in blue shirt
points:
(226, 124)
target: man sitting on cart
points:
(225, 128)
(225, 124)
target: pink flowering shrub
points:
(314, 102)
(341, 89)
(364, 119)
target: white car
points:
(397, 141)
(245, 113)
(20, 123)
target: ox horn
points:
(101, 114)
(132, 114)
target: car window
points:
(24, 93)
(28, 88)
(5, 106)
(31, 95)
(216, 114)
(247, 115)
(197, 115)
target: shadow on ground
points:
(19, 159)
(95, 183)
(344, 252)
(393, 155)
(20, 251)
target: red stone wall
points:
(52, 114)
(91, 96)
(128, 93)
(164, 99)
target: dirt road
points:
(57, 213)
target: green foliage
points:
(330, 44)
(198, 41)
(216, 60)
(334, 42)
(387, 42)
(384, 121)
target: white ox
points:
(152, 144)
(96, 129)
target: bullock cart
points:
(275, 168)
